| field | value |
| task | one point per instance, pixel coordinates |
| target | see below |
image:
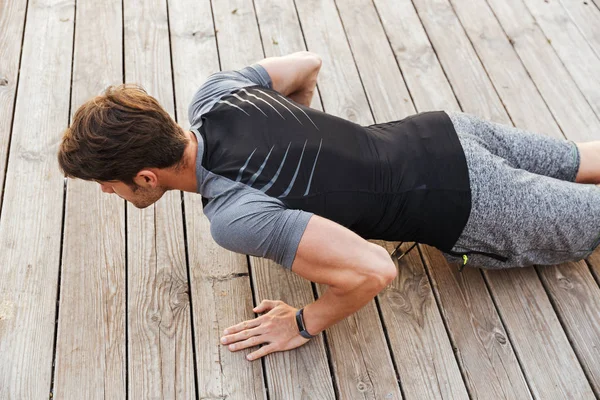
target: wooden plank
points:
(160, 343)
(521, 310)
(587, 18)
(362, 371)
(570, 45)
(569, 107)
(31, 219)
(90, 353)
(523, 288)
(420, 343)
(427, 367)
(293, 373)
(382, 80)
(220, 287)
(482, 341)
(577, 299)
(490, 41)
(221, 297)
(307, 366)
(428, 86)
(509, 77)
(489, 367)
(12, 22)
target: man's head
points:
(121, 139)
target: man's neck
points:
(183, 178)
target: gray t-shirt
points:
(243, 219)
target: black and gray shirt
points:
(266, 164)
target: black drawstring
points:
(403, 254)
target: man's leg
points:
(528, 218)
(539, 154)
(589, 166)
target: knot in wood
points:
(361, 386)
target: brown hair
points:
(115, 135)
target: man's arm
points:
(355, 270)
(294, 75)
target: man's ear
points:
(146, 179)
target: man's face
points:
(141, 197)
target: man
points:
(306, 189)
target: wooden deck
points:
(101, 300)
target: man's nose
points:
(106, 189)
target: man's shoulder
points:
(223, 83)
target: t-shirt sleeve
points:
(223, 83)
(251, 222)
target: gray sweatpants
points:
(526, 207)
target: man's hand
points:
(294, 75)
(277, 328)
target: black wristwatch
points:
(300, 322)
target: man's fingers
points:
(242, 326)
(245, 334)
(250, 342)
(263, 351)
(265, 305)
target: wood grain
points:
(220, 286)
(421, 346)
(90, 347)
(490, 42)
(483, 347)
(484, 363)
(12, 23)
(158, 315)
(571, 46)
(422, 72)
(31, 219)
(569, 107)
(293, 374)
(359, 353)
(587, 18)
(577, 299)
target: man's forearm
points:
(335, 305)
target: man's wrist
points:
(300, 322)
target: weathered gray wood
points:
(362, 371)
(511, 81)
(568, 105)
(587, 18)
(577, 300)
(483, 348)
(12, 22)
(485, 370)
(490, 41)
(221, 298)
(551, 369)
(420, 343)
(570, 45)
(289, 374)
(339, 82)
(90, 347)
(30, 224)
(382, 80)
(555, 352)
(302, 372)
(428, 368)
(476, 93)
(281, 32)
(421, 69)
(160, 343)
(220, 287)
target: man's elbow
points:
(376, 271)
(386, 270)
